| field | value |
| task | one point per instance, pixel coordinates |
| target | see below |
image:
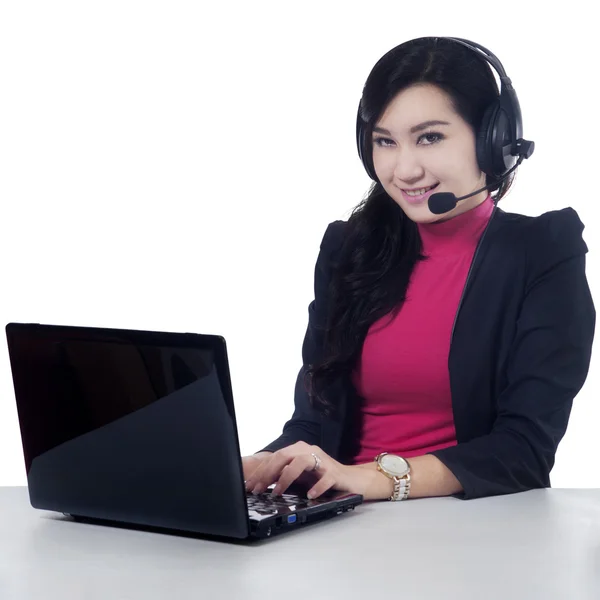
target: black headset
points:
(499, 139)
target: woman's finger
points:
(250, 464)
(293, 471)
(271, 468)
(323, 485)
(257, 476)
(270, 471)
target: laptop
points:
(138, 428)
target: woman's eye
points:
(436, 137)
(380, 142)
(432, 137)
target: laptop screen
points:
(71, 381)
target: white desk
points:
(539, 544)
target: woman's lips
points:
(420, 198)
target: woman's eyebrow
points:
(414, 129)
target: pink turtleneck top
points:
(402, 373)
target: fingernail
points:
(310, 495)
(257, 489)
(276, 490)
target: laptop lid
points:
(131, 426)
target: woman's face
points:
(409, 154)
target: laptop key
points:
(266, 501)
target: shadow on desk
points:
(338, 521)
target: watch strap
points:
(401, 488)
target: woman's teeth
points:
(419, 192)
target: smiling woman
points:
(457, 340)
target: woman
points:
(455, 340)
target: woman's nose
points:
(408, 169)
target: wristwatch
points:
(398, 470)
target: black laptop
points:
(138, 428)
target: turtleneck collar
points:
(458, 234)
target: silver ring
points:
(317, 461)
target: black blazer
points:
(520, 354)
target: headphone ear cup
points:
(502, 134)
(483, 146)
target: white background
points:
(173, 166)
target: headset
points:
(499, 141)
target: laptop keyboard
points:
(269, 504)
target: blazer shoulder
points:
(551, 237)
(334, 236)
(331, 244)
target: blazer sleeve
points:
(305, 423)
(548, 364)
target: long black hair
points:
(381, 244)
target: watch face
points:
(395, 465)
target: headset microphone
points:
(443, 202)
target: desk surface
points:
(536, 544)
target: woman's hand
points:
(252, 462)
(297, 463)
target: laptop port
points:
(278, 522)
(292, 518)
